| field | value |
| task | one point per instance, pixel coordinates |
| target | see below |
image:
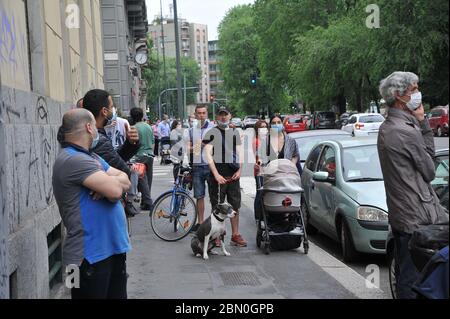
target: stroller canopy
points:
(281, 175)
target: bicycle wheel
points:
(173, 216)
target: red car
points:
(295, 123)
(438, 118)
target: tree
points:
(155, 82)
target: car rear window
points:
(295, 120)
(327, 115)
(371, 118)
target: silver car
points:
(344, 195)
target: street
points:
(161, 269)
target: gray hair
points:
(396, 82)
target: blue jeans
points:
(406, 272)
(200, 175)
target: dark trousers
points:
(106, 279)
(258, 198)
(145, 183)
(156, 147)
(406, 272)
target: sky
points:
(209, 12)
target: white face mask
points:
(263, 131)
(415, 102)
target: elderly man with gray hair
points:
(406, 150)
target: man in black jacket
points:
(100, 104)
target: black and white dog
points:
(213, 228)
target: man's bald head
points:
(74, 121)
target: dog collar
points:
(218, 218)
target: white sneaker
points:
(296, 231)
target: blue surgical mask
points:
(223, 124)
(95, 140)
(277, 127)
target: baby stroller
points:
(164, 146)
(281, 226)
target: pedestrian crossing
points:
(161, 170)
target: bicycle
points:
(175, 211)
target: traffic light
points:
(253, 79)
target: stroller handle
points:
(278, 191)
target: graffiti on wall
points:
(29, 164)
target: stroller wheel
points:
(258, 237)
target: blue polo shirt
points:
(96, 230)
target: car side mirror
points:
(323, 177)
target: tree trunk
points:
(358, 95)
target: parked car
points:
(343, 119)
(439, 120)
(344, 195)
(440, 185)
(250, 121)
(308, 139)
(321, 120)
(364, 124)
(237, 122)
(295, 123)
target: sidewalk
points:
(161, 269)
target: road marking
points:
(346, 276)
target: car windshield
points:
(376, 118)
(441, 171)
(295, 120)
(361, 164)
(327, 115)
(306, 144)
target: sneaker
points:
(195, 228)
(237, 240)
(147, 207)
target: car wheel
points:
(439, 131)
(353, 133)
(348, 249)
(392, 271)
(310, 229)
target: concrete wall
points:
(65, 63)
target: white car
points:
(364, 124)
(250, 121)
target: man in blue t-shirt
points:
(87, 191)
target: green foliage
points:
(322, 53)
(154, 77)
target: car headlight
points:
(371, 214)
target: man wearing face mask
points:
(224, 155)
(100, 104)
(87, 191)
(406, 151)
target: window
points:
(361, 163)
(352, 120)
(376, 118)
(312, 159)
(327, 162)
(54, 240)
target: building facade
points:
(215, 78)
(193, 43)
(50, 54)
(125, 28)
